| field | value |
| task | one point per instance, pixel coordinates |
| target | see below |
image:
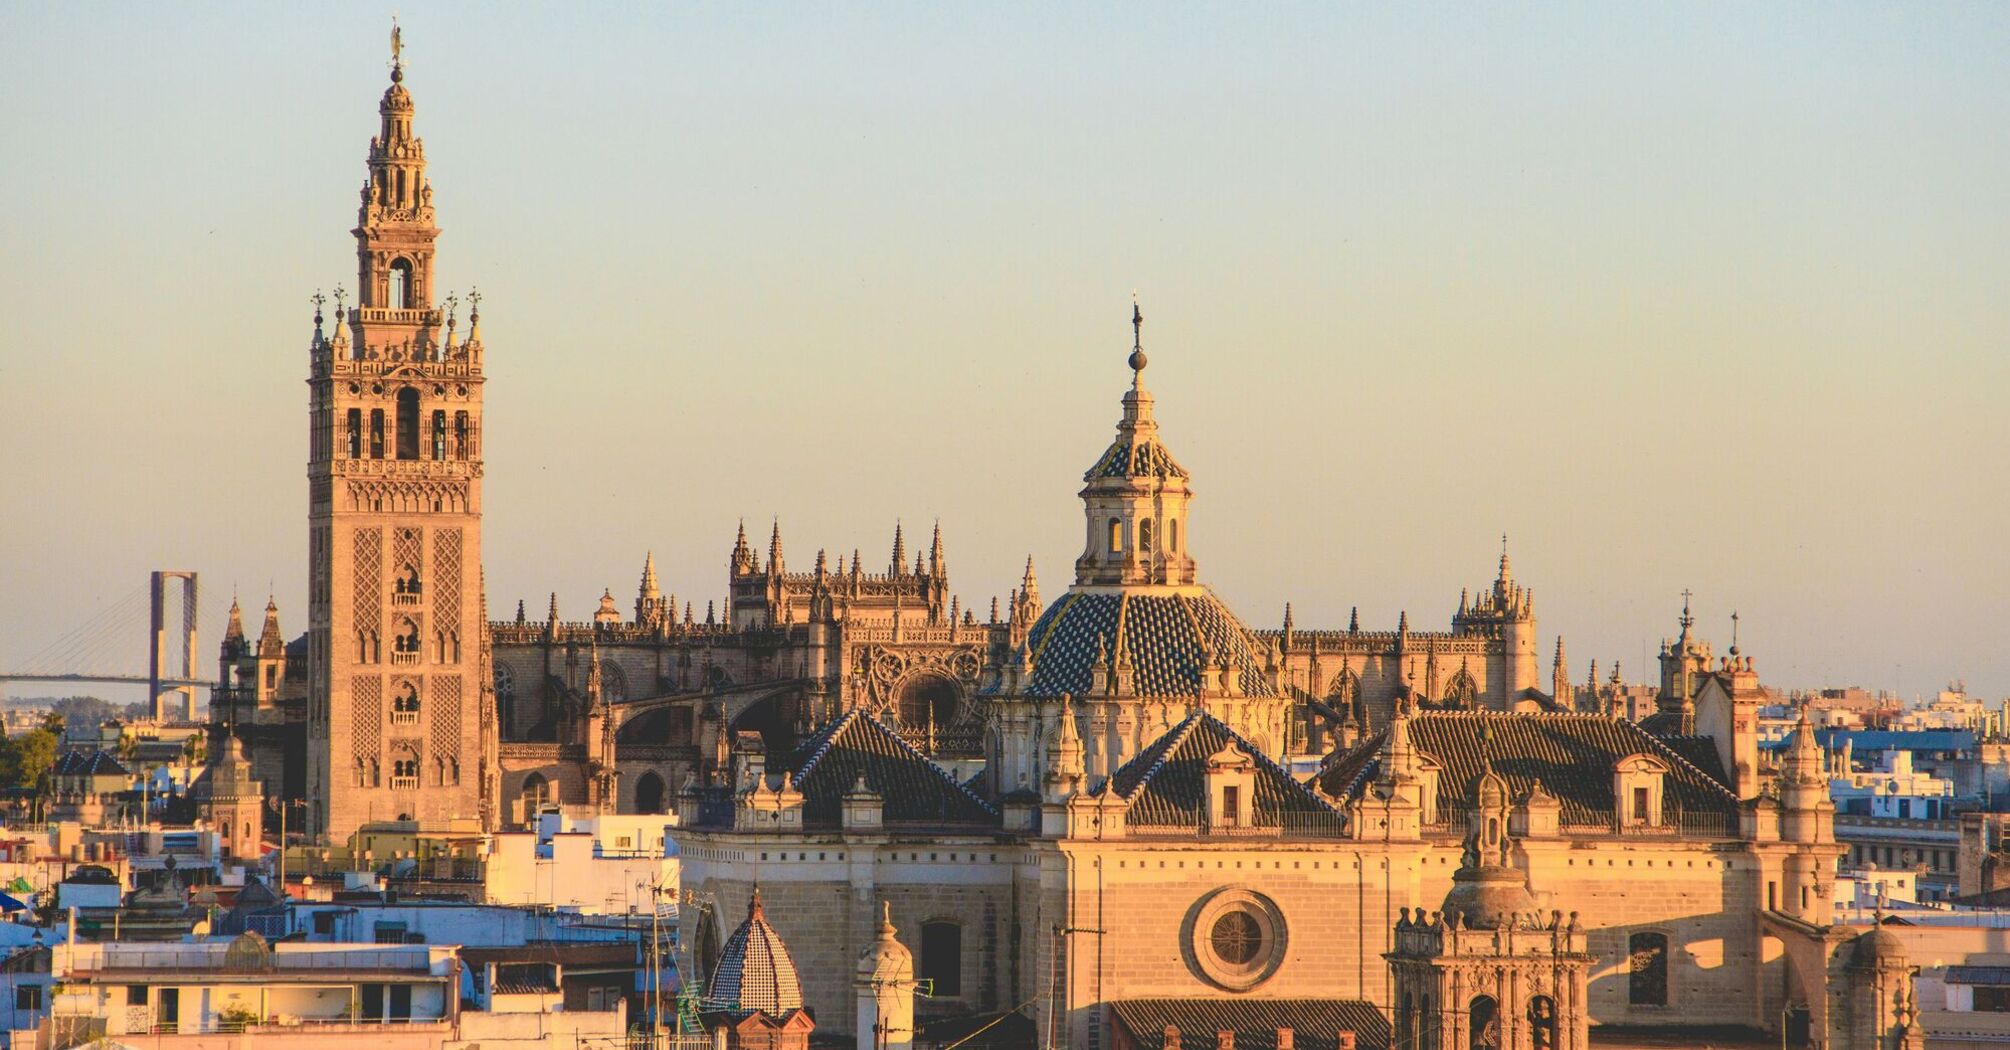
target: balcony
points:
(404, 783)
(404, 718)
(404, 658)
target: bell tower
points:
(400, 724)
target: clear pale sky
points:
(1703, 295)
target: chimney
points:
(1170, 1041)
(1346, 1041)
(1284, 1039)
(1224, 1040)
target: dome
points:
(755, 973)
(1489, 897)
(1169, 636)
(886, 960)
(1879, 947)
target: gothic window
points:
(1145, 536)
(405, 769)
(1462, 693)
(460, 435)
(1647, 966)
(1483, 1024)
(942, 957)
(362, 774)
(401, 283)
(376, 433)
(536, 792)
(407, 638)
(355, 433)
(649, 793)
(406, 585)
(408, 423)
(439, 433)
(1116, 536)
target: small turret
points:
(775, 549)
(742, 561)
(899, 552)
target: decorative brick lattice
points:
(447, 581)
(368, 608)
(446, 714)
(366, 728)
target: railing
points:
(404, 658)
(404, 718)
(404, 783)
(1286, 825)
(405, 599)
(320, 1025)
(124, 959)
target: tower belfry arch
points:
(182, 706)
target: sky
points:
(1692, 296)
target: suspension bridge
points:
(106, 641)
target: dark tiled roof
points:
(985, 1031)
(92, 764)
(1132, 456)
(1168, 638)
(1572, 754)
(1687, 1037)
(1315, 1023)
(912, 788)
(1988, 976)
(1165, 783)
(1663, 723)
(1701, 752)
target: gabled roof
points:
(1165, 784)
(1572, 754)
(1314, 1023)
(912, 789)
(90, 764)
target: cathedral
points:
(1104, 813)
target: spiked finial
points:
(1137, 361)
(1734, 632)
(775, 548)
(899, 549)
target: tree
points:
(26, 759)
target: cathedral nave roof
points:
(1253, 1023)
(912, 789)
(1571, 754)
(1166, 783)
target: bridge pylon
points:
(172, 702)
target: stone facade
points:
(400, 719)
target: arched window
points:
(1172, 535)
(649, 793)
(408, 423)
(1647, 969)
(1145, 536)
(1483, 1019)
(1542, 1023)
(355, 433)
(942, 957)
(1116, 535)
(439, 433)
(376, 433)
(400, 297)
(536, 792)
(460, 435)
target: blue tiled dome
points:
(1169, 637)
(755, 974)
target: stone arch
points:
(536, 793)
(1462, 693)
(772, 717)
(649, 793)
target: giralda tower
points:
(401, 723)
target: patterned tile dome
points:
(1169, 636)
(755, 973)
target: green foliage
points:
(25, 759)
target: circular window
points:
(1235, 938)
